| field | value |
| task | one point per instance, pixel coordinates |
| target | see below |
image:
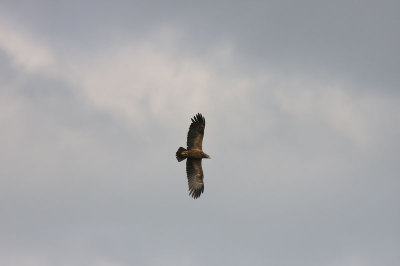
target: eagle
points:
(194, 154)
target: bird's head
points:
(206, 156)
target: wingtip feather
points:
(198, 118)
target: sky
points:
(302, 108)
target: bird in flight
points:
(194, 154)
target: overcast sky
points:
(302, 105)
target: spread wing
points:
(195, 177)
(196, 132)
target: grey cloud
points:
(355, 41)
(292, 179)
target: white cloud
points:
(24, 50)
(133, 81)
(354, 116)
(139, 80)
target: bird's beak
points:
(208, 156)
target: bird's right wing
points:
(195, 177)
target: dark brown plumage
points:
(194, 155)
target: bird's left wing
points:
(196, 132)
(195, 177)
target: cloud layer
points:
(302, 125)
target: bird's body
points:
(194, 154)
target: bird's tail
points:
(179, 155)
